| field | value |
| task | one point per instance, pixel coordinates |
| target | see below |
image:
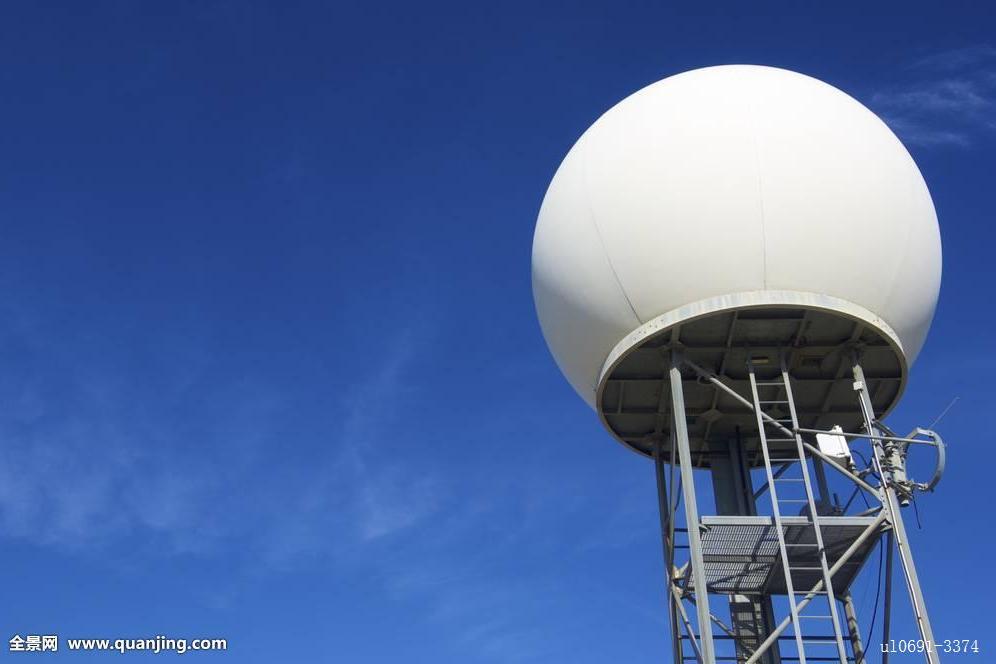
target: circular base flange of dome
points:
(818, 337)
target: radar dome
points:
(731, 194)
(731, 182)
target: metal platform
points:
(741, 552)
(633, 403)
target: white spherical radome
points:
(728, 187)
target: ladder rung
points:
(772, 401)
(792, 500)
(812, 546)
(780, 440)
(810, 592)
(789, 479)
(784, 460)
(770, 382)
(815, 617)
(810, 568)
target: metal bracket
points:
(941, 448)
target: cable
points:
(864, 499)
(867, 466)
(916, 511)
(860, 456)
(878, 594)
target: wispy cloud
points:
(957, 58)
(94, 456)
(948, 101)
(89, 469)
(364, 489)
(388, 497)
(95, 465)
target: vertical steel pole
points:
(680, 428)
(826, 500)
(751, 615)
(887, 613)
(663, 504)
(853, 628)
(895, 517)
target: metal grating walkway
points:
(741, 552)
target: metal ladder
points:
(788, 431)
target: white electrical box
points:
(835, 445)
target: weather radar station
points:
(736, 268)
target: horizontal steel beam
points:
(654, 410)
(896, 439)
(766, 346)
(615, 378)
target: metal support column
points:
(853, 628)
(667, 541)
(826, 499)
(887, 612)
(680, 429)
(895, 517)
(751, 616)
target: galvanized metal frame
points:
(680, 429)
(810, 501)
(673, 491)
(779, 527)
(895, 517)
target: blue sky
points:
(269, 367)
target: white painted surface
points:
(728, 180)
(835, 445)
